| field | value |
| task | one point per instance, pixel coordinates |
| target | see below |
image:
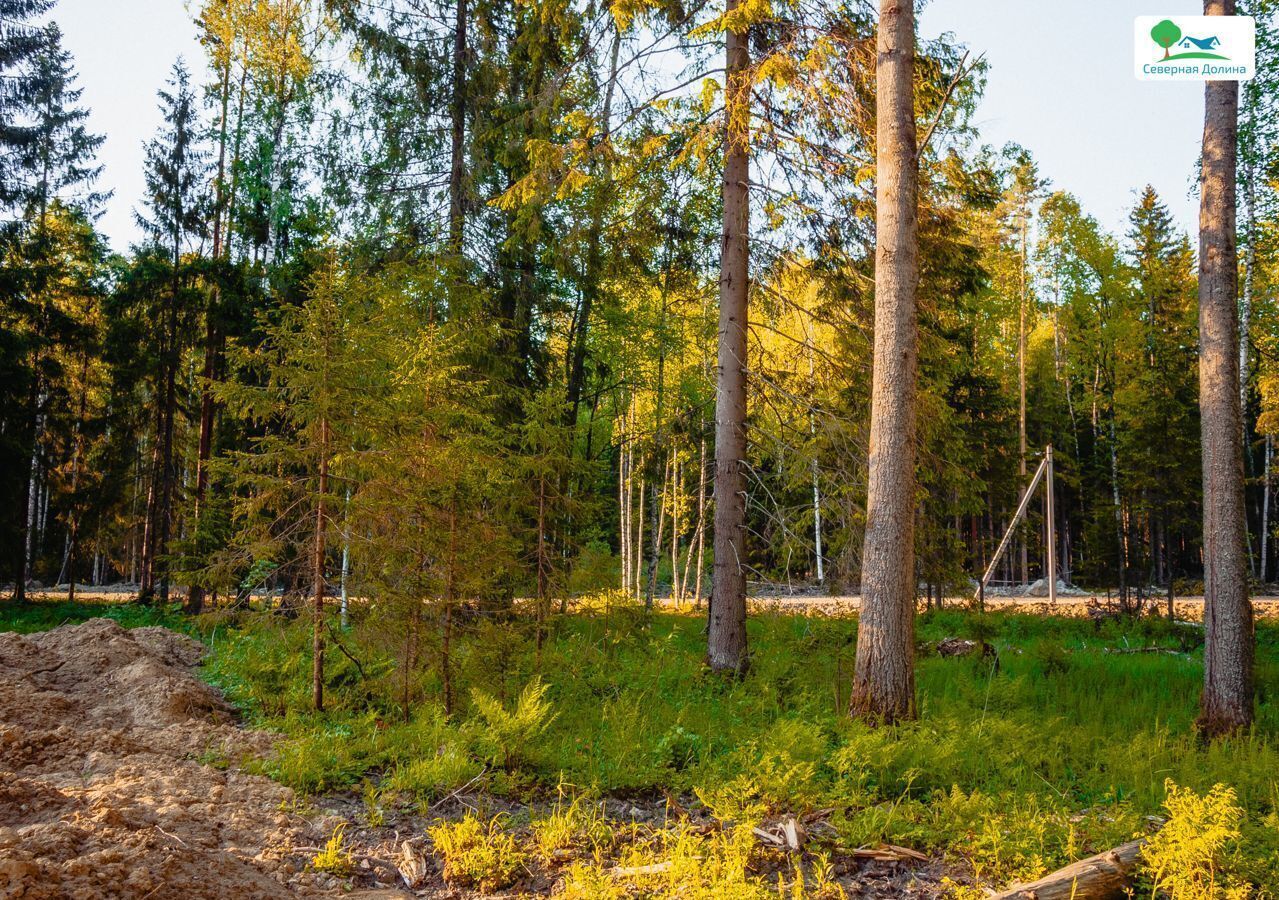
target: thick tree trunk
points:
(726, 631)
(884, 677)
(1226, 704)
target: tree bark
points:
(726, 631)
(1265, 508)
(317, 574)
(594, 250)
(884, 676)
(1226, 703)
(1021, 390)
(457, 148)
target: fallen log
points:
(1101, 877)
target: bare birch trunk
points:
(884, 677)
(639, 538)
(1226, 704)
(674, 493)
(623, 511)
(701, 522)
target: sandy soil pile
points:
(101, 790)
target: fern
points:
(1188, 859)
(510, 733)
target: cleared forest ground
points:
(608, 764)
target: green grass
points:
(1060, 751)
(42, 615)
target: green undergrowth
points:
(42, 615)
(1066, 741)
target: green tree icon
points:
(1165, 34)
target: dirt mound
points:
(106, 789)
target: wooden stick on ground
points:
(1099, 877)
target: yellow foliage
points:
(709, 94)
(778, 68)
(334, 858)
(1186, 858)
(266, 37)
(740, 19)
(477, 854)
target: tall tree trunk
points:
(66, 574)
(457, 149)
(638, 546)
(726, 631)
(164, 513)
(657, 509)
(213, 343)
(884, 677)
(317, 574)
(1021, 393)
(701, 522)
(594, 251)
(674, 494)
(150, 522)
(624, 509)
(1265, 509)
(1226, 704)
(1245, 320)
(1121, 544)
(812, 465)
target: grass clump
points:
(572, 827)
(478, 854)
(334, 858)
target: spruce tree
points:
(176, 175)
(20, 42)
(54, 162)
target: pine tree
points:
(884, 678)
(1227, 700)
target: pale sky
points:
(1060, 83)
